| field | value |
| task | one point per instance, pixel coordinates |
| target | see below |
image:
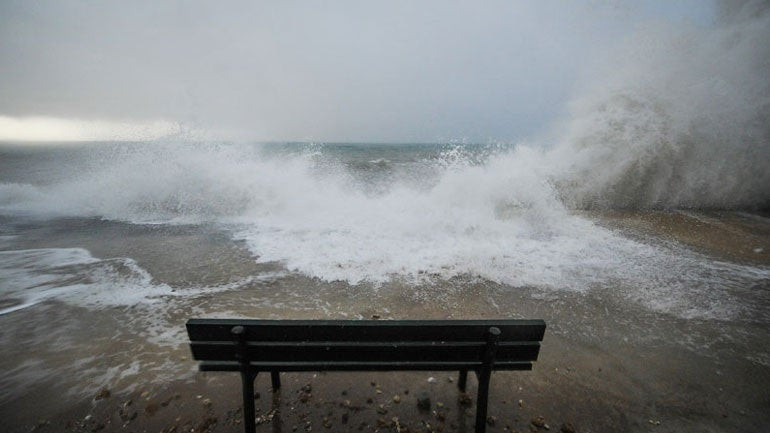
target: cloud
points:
(343, 70)
(57, 129)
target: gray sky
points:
(388, 71)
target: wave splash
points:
(685, 126)
(677, 118)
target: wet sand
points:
(606, 364)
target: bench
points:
(252, 346)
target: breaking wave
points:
(679, 119)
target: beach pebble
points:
(539, 422)
(568, 428)
(206, 424)
(464, 400)
(423, 401)
(491, 420)
(150, 409)
(104, 393)
(396, 398)
(431, 379)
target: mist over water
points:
(675, 118)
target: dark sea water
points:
(107, 248)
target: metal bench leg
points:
(247, 379)
(484, 374)
(247, 384)
(275, 378)
(463, 380)
(481, 401)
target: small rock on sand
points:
(423, 401)
(539, 422)
(151, 408)
(206, 424)
(104, 393)
(568, 428)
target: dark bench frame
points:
(251, 346)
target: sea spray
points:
(675, 118)
(679, 119)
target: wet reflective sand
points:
(610, 361)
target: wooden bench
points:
(252, 346)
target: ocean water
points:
(162, 226)
(362, 214)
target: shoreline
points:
(612, 359)
(588, 390)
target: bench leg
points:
(275, 378)
(463, 380)
(247, 384)
(484, 374)
(481, 400)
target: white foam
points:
(72, 275)
(501, 220)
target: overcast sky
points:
(387, 71)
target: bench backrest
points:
(304, 345)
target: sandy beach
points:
(606, 364)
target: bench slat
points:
(365, 330)
(363, 351)
(361, 366)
